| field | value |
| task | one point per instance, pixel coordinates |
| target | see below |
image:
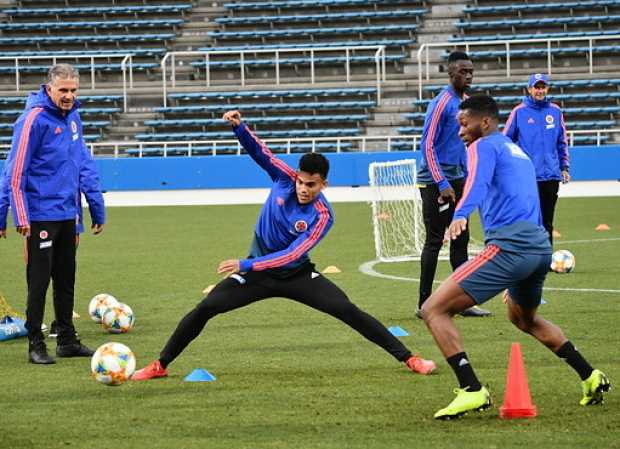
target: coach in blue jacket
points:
(538, 127)
(47, 167)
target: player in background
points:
(538, 127)
(293, 220)
(441, 176)
(516, 257)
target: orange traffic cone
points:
(517, 399)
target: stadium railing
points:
(126, 66)
(508, 43)
(173, 57)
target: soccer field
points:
(290, 377)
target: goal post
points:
(398, 224)
(396, 210)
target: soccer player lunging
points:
(502, 183)
(294, 219)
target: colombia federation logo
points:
(43, 235)
(301, 226)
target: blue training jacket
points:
(49, 164)
(443, 151)
(285, 230)
(4, 199)
(502, 183)
(538, 128)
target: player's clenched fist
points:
(234, 117)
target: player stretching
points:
(517, 255)
(294, 219)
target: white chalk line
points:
(368, 268)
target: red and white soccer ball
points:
(99, 304)
(118, 319)
(113, 364)
(562, 261)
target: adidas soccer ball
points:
(113, 364)
(118, 319)
(99, 304)
(562, 261)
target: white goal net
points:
(397, 212)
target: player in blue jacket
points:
(441, 176)
(47, 167)
(538, 127)
(501, 182)
(293, 220)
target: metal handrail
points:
(290, 143)
(507, 44)
(380, 63)
(126, 64)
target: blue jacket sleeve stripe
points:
(472, 168)
(21, 212)
(508, 129)
(274, 161)
(431, 156)
(306, 245)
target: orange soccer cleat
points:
(420, 366)
(151, 371)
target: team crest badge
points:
(301, 226)
(530, 121)
(43, 235)
(549, 119)
(73, 126)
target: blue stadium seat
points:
(312, 31)
(520, 7)
(259, 120)
(233, 149)
(338, 16)
(601, 82)
(99, 24)
(99, 67)
(249, 47)
(83, 99)
(491, 37)
(83, 111)
(86, 38)
(309, 3)
(579, 20)
(263, 134)
(528, 52)
(90, 10)
(267, 106)
(291, 93)
(133, 51)
(319, 60)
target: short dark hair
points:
(458, 56)
(481, 105)
(314, 163)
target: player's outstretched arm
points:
(257, 149)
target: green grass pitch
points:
(289, 377)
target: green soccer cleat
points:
(464, 402)
(594, 387)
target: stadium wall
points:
(347, 169)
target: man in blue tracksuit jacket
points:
(538, 127)
(47, 167)
(501, 182)
(441, 176)
(293, 220)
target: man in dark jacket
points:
(47, 167)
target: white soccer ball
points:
(99, 304)
(562, 261)
(113, 364)
(118, 319)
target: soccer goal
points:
(397, 212)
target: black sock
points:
(164, 364)
(574, 358)
(464, 372)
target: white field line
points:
(368, 268)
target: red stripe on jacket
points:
(472, 166)
(304, 247)
(274, 160)
(20, 208)
(430, 154)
